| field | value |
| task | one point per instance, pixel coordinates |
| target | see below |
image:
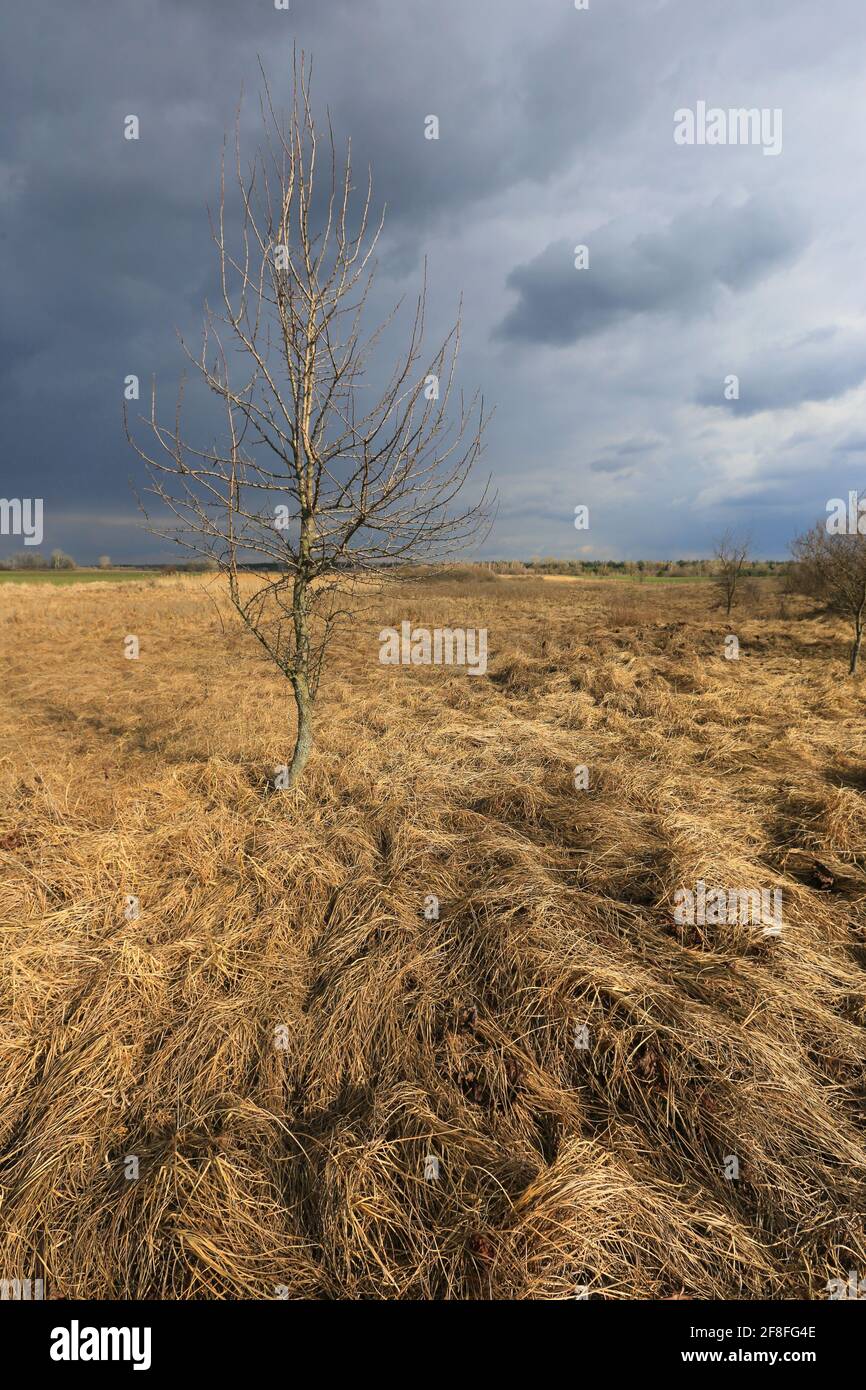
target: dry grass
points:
(303, 1167)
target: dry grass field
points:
(283, 1040)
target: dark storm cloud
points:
(108, 250)
(555, 129)
(679, 270)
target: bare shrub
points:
(832, 568)
(731, 553)
(321, 474)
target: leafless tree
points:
(731, 553)
(319, 478)
(832, 568)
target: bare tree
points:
(832, 567)
(104, 562)
(319, 478)
(732, 553)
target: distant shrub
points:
(25, 560)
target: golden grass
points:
(301, 1167)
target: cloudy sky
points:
(556, 130)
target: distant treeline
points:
(34, 560)
(651, 568)
(58, 560)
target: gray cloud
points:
(621, 457)
(679, 271)
(785, 377)
(610, 465)
(556, 129)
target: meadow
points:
(76, 576)
(245, 1055)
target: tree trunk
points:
(304, 738)
(855, 650)
(300, 676)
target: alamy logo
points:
(77, 1343)
(25, 1290)
(852, 1287)
(451, 646)
(736, 126)
(743, 906)
(847, 520)
(22, 516)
